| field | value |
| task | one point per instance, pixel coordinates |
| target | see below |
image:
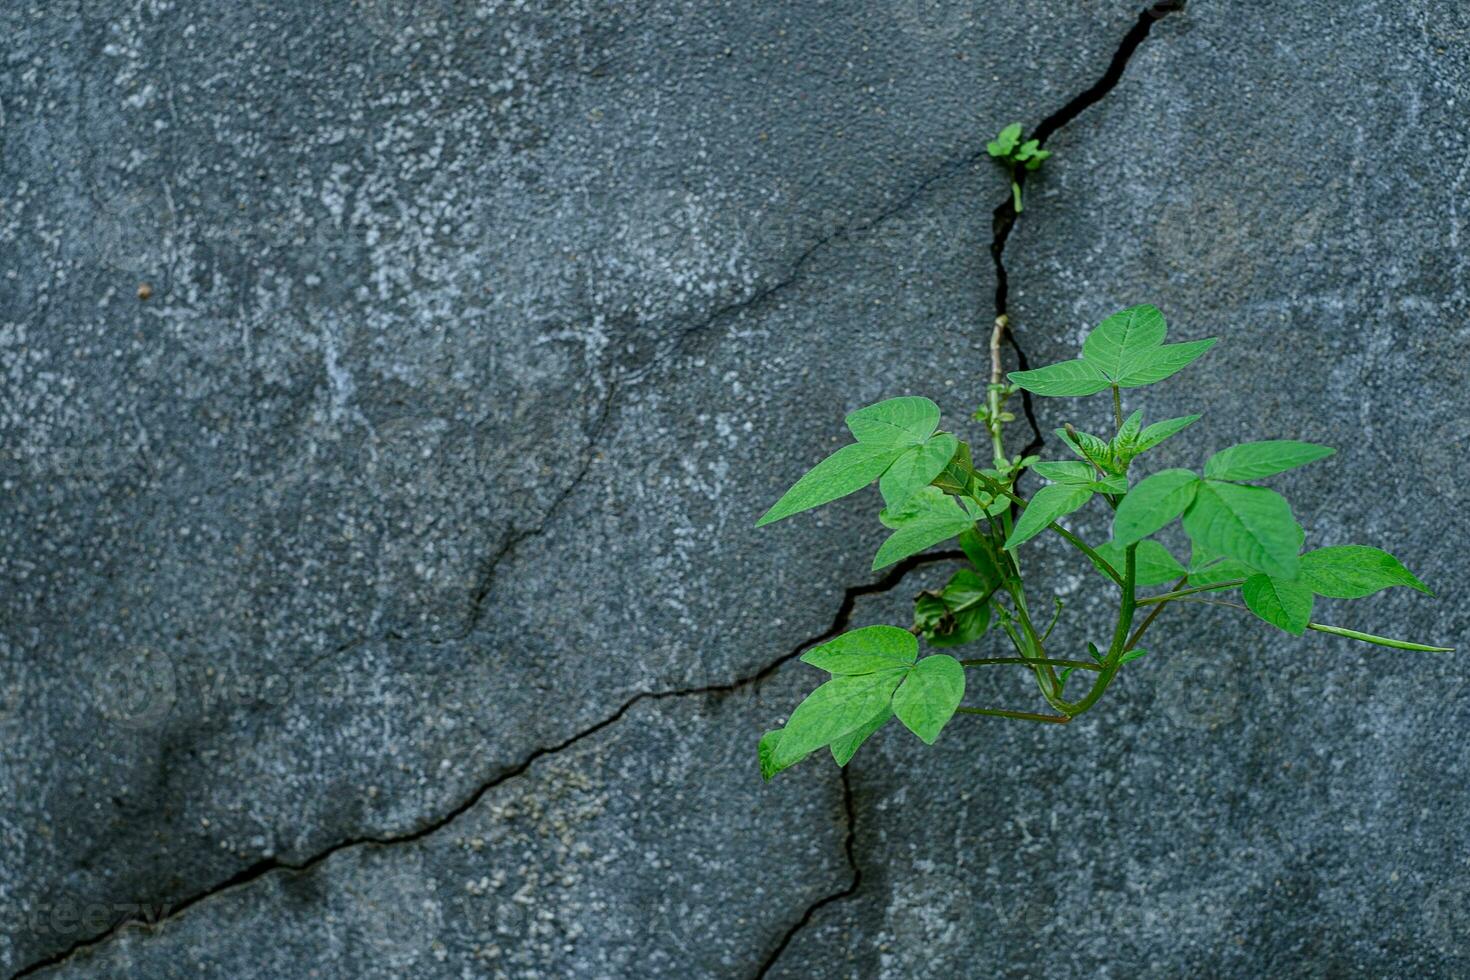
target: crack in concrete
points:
(840, 622)
(849, 848)
(1003, 221)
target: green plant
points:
(1016, 154)
(1243, 539)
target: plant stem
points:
(1172, 596)
(1114, 658)
(993, 400)
(1076, 542)
(1117, 407)
(1023, 715)
(1149, 620)
(1382, 641)
(1077, 664)
(1016, 191)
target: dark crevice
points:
(1004, 217)
(161, 913)
(849, 848)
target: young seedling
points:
(1008, 148)
(1244, 542)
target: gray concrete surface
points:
(337, 574)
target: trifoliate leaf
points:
(897, 422)
(1257, 460)
(863, 651)
(1152, 503)
(929, 695)
(846, 471)
(1048, 504)
(1284, 603)
(1252, 524)
(1069, 378)
(1352, 571)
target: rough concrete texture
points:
(337, 571)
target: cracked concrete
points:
(477, 338)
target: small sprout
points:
(1008, 148)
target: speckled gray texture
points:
(478, 335)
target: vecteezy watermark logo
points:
(934, 21)
(134, 687)
(68, 917)
(1199, 692)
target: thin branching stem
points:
(1075, 664)
(1022, 715)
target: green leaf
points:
(1161, 362)
(863, 651)
(846, 471)
(769, 768)
(1045, 506)
(1069, 378)
(1352, 571)
(1089, 448)
(1068, 471)
(979, 550)
(926, 518)
(958, 472)
(917, 468)
(1132, 655)
(957, 614)
(1112, 484)
(1252, 524)
(1153, 564)
(1152, 503)
(897, 422)
(1255, 460)
(835, 709)
(929, 695)
(1005, 141)
(1159, 431)
(844, 748)
(1124, 339)
(1128, 432)
(1284, 603)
